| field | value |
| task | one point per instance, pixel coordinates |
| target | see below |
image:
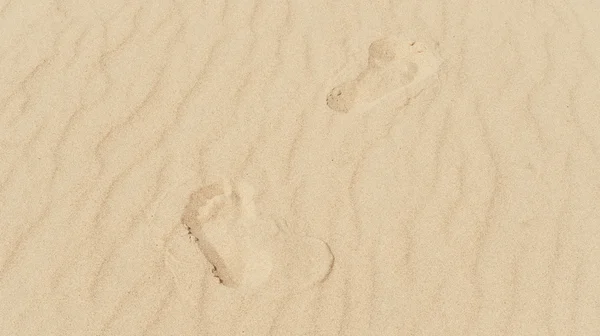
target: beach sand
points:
(299, 168)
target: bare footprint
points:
(246, 251)
(397, 69)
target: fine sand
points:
(299, 168)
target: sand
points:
(299, 168)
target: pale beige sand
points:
(299, 168)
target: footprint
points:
(398, 69)
(246, 251)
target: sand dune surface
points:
(299, 168)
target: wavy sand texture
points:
(458, 199)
